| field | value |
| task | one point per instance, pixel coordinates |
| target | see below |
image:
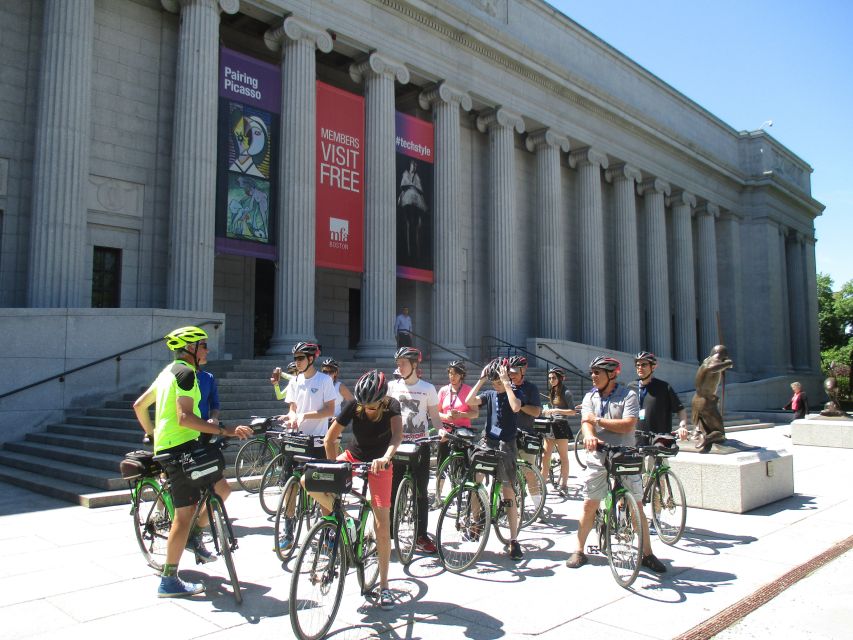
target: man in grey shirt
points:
(609, 414)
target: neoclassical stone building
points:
(576, 196)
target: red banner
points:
(340, 179)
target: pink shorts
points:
(378, 483)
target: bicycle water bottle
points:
(351, 529)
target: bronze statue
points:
(706, 414)
(832, 409)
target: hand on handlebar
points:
(241, 431)
(591, 443)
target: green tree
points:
(835, 319)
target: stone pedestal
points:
(818, 431)
(735, 482)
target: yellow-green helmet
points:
(179, 338)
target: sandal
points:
(576, 560)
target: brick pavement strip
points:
(70, 572)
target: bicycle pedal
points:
(593, 549)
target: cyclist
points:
(658, 401)
(331, 368)
(502, 407)
(377, 430)
(278, 375)
(453, 411)
(176, 429)
(419, 407)
(609, 414)
(561, 405)
(311, 395)
(531, 408)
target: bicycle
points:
(405, 523)
(276, 473)
(663, 489)
(151, 505)
(617, 519)
(333, 544)
(544, 428)
(530, 483)
(296, 500)
(253, 457)
(451, 471)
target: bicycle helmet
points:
(606, 363)
(306, 348)
(458, 365)
(371, 387)
(397, 375)
(291, 368)
(560, 373)
(646, 356)
(517, 361)
(180, 338)
(492, 372)
(331, 363)
(409, 353)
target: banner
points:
(415, 157)
(247, 157)
(340, 179)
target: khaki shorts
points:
(593, 479)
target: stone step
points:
(96, 421)
(130, 436)
(120, 404)
(125, 413)
(79, 457)
(95, 445)
(73, 492)
(62, 472)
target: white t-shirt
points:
(414, 400)
(310, 395)
(338, 399)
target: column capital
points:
(654, 184)
(588, 155)
(546, 138)
(501, 117)
(623, 171)
(682, 197)
(294, 28)
(708, 209)
(379, 64)
(227, 6)
(443, 92)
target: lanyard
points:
(644, 390)
(604, 408)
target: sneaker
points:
(576, 560)
(564, 491)
(386, 600)
(329, 543)
(651, 562)
(285, 543)
(202, 554)
(174, 587)
(515, 551)
(436, 505)
(425, 545)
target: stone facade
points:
(581, 198)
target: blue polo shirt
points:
(501, 420)
(209, 394)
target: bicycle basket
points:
(297, 443)
(137, 464)
(203, 467)
(529, 443)
(407, 453)
(485, 461)
(625, 463)
(328, 477)
(542, 425)
(260, 425)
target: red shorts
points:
(378, 483)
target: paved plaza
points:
(71, 572)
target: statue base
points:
(737, 480)
(823, 431)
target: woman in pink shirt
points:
(454, 413)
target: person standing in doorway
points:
(403, 328)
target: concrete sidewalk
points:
(72, 572)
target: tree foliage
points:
(835, 319)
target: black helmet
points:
(493, 366)
(647, 356)
(560, 373)
(409, 353)
(517, 361)
(331, 363)
(306, 348)
(371, 387)
(291, 368)
(606, 363)
(458, 365)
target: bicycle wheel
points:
(579, 447)
(367, 570)
(405, 521)
(450, 474)
(152, 521)
(669, 507)
(288, 519)
(500, 521)
(624, 540)
(272, 485)
(224, 541)
(252, 459)
(317, 583)
(533, 492)
(555, 468)
(461, 535)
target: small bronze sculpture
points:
(832, 409)
(706, 413)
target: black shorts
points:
(183, 494)
(561, 430)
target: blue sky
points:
(750, 61)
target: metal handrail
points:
(516, 348)
(576, 369)
(116, 356)
(432, 344)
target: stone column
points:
(593, 298)
(785, 317)
(192, 200)
(553, 311)
(57, 259)
(684, 288)
(379, 283)
(798, 303)
(627, 294)
(810, 297)
(503, 218)
(730, 263)
(293, 315)
(709, 301)
(658, 338)
(448, 291)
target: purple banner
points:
(249, 81)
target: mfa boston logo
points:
(338, 233)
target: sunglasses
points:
(596, 372)
(329, 371)
(300, 358)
